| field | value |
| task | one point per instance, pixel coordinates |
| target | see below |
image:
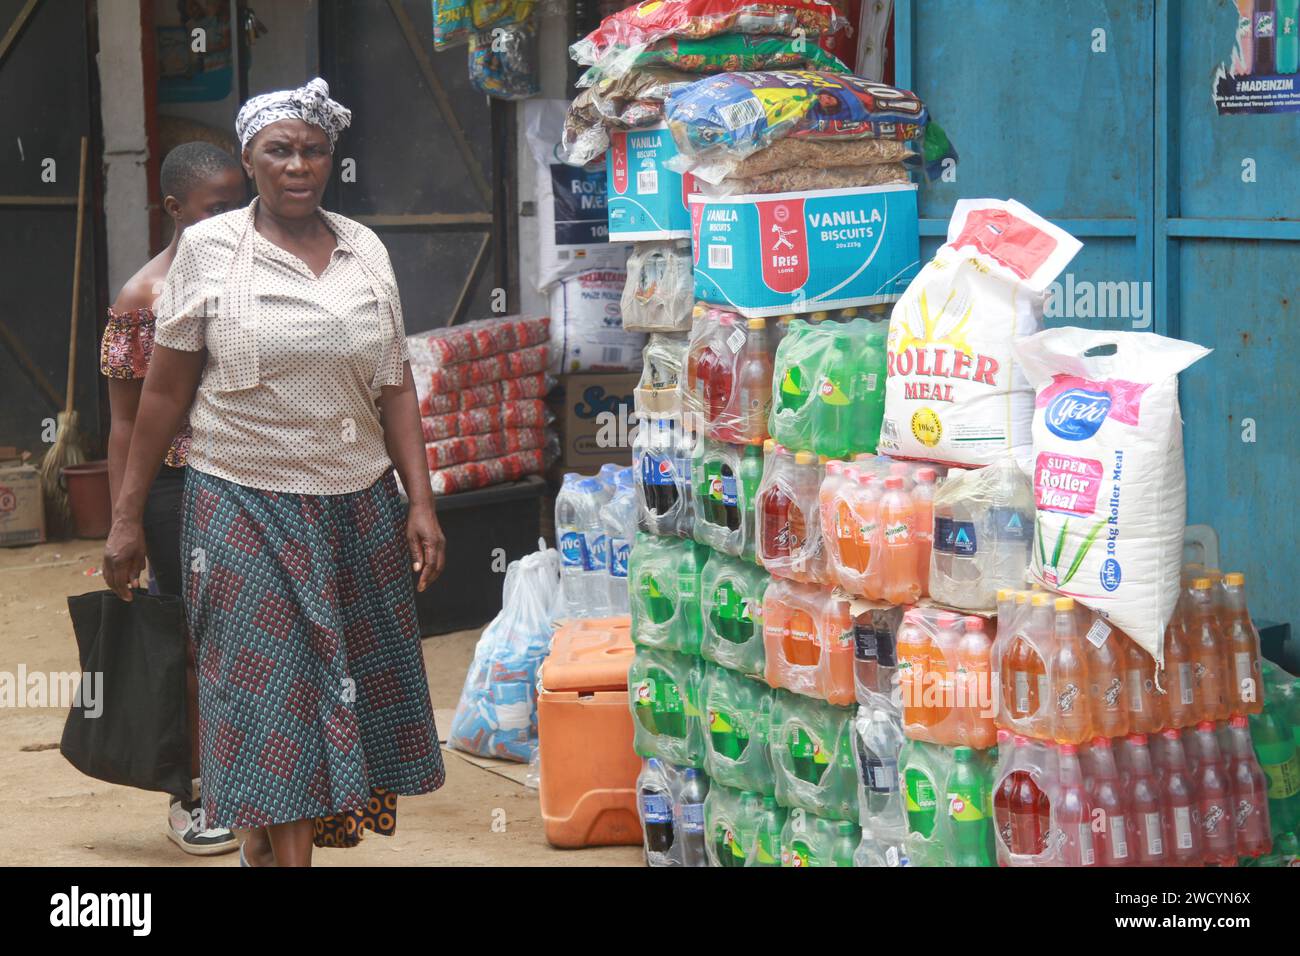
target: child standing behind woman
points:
(198, 181)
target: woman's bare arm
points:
(123, 402)
(168, 392)
(404, 439)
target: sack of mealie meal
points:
(954, 391)
(1109, 485)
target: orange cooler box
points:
(589, 769)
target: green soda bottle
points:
(690, 619)
(768, 823)
(1275, 747)
(832, 419)
(1291, 707)
(725, 613)
(919, 796)
(846, 843)
(969, 792)
(722, 730)
(751, 805)
(869, 388)
(802, 749)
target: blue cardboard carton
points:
(644, 199)
(810, 251)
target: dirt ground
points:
(52, 815)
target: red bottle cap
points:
(1205, 725)
(1238, 720)
(1003, 736)
(1100, 741)
(1069, 749)
(1137, 739)
(1171, 733)
(1020, 741)
(893, 482)
(974, 624)
(925, 474)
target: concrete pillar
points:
(126, 150)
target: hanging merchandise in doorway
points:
(502, 39)
(1264, 76)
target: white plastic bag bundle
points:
(587, 333)
(660, 290)
(954, 392)
(1109, 484)
(497, 712)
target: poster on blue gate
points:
(1264, 73)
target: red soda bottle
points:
(1074, 812)
(1249, 792)
(1182, 836)
(1114, 842)
(1149, 831)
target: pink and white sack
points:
(1110, 488)
(953, 391)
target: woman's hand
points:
(428, 547)
(124, 556)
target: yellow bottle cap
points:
(699, 310)
(1202, 584)
(757, 323)
(1006, 594)
(1040, 599)
(786, 318)
(768, 445)
(1065, 604)
(848, 313)
(817, 317)
(804, 458)
(1234, 578)
(1022, 597)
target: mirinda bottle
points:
(865, 492)
(913, 650)
(975, 696)
(1206, 645)
(1071, 722)
(899, 582)
(923, 499)
(1246, 694)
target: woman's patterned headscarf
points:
(310, 103)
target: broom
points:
(67, 448)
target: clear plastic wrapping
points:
(720, 53)
(630, 101)
(806, 154)
(744, 827)
(808, 840)
(877, 743)
(812, 757)
(476, 340)
(493, 471)
(738, 714)
(478, 396)
(729, 375)
(798, 179)
(725, 479)
(664, 590)
(660, 289)
(658, 394)
(828, 389)
(946, 678)
(947, 798)
(455, 451)
(661, 453)
(671, 803)
(808, 641)
(786, 505)
(503, 60)
(521, 413)
(664, 696)
(731, 606)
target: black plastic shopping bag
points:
(133, 729)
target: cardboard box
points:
(645, 199)
(807, 251)
(596, 419)
(22, 506)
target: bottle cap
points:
(848, 313)
(1003, 735)
(974, 624)
(817, 317)
(1020, 740)
(1171, 733)
(1202, 584)
(1068, 748)
(1137, 739)
(725, 318)
(769, 446)
(861, 477)
(1039, 599)
(962, 754)
(899, 468)
(699, 310)
(804, 458)
(834, 467)
(757, 325)
(864, 456)
(1100, 741)
(947, 618)
(893, 481)
(1065, 604)
(1022, 597)
(926, 475)
(787, 319)
(1238, 720)
(1234, 579)
(1006, 594)
(1205, 725)
(1035, 586)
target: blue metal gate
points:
(1098, 114)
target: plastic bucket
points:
(88, 497)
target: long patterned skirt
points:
(313, 701)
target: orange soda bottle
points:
(1206, 643)
(1180, 678)
(923, 500)
(899, 583)
(1242, 641)
(1146, 707)
(1071, 722)
(1038, 652)
(865, 501)
(974, 672)
(912, 651)
(1106, 685)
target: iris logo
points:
(1077, 413)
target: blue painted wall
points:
(1126, 150)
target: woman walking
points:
(198, 181)
(281, 323)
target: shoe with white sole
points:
(183, 819)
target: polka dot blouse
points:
(287, 401)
